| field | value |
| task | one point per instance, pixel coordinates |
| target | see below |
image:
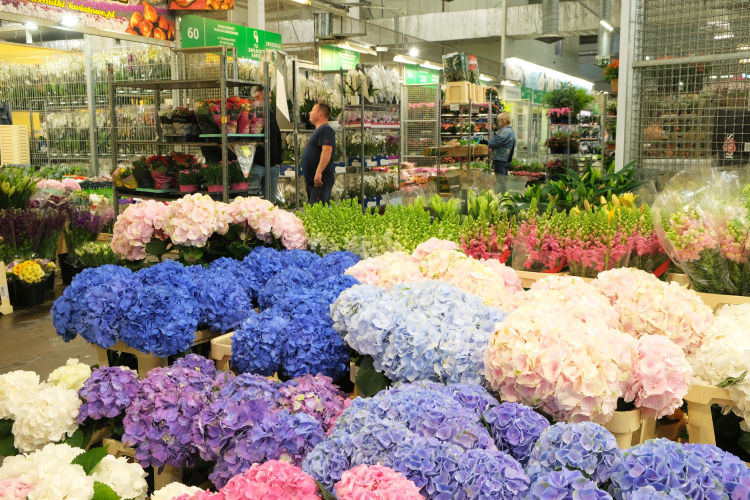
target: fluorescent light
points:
(647, 58)
(485, 78)
(69, 21)
(572, 79)
(507, 83)
(725, 35)
(606, 92)
(408, 60)
(357, 48)
(714, 77)
(430, 65)
(31, 26)
(606, 25)
(681, 84)
(303, 2)
(413, 52)
(381, 49)
(743, 48)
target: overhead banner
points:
(417, 75)
(202, 5)
(250, 43)
(334, 58)
(151, 19)
(539, 78)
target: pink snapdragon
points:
(540, 246)
(375, 482)
(689, 234)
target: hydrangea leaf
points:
(6, 447)
(90, 459)
(744, 441)
(370, 381)
(327, 495)
(6, 426)
(156, 247)
(104, 492)
(238, 250)
(76, 440)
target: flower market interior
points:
(374, 250)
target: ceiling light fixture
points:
(31, 26)
(357, 48)
(606, 25)
(408, 60)
(303, 2)
(413, 52)
(725, 35)
(69, 21)
(507, 83)
(485, 78)
(430, 65)
(381, 49)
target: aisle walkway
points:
(28, 340)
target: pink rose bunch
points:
(375, 482)
(648, 306)
(135, 227)
(191, 220)
(661, 377)
(15, 489)
(274, 480)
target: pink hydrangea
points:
(429, 246)
(661, 377)
(274, 480)
(191, 220)
(135, 227)
(375, 482)
(71, 184)
(289, 230)
(15, 489)
(387, 270)
(50, 184)
(508, 274)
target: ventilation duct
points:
(604, 45)
(324, 26)
(550, 22)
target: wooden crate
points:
(716, 301)
(5, 307)
(528, 278)
(168, 475)
(221, 351)
(14, 145)
(147, 361)
(106, 237)
(682, 279)
(458, 93)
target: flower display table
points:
(716, 301)
(699, 399)
(147, 361)
(528, 278)
(169, 474)
(630, 429)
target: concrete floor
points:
(28, 340)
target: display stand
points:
(716, 301)
(528, 278)
(146, 362)
(221, 351)
(5, 307)
(169, 473)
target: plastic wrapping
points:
(245, 157)
(456, 67)
(694, 217)
(28, 227)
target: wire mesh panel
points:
(690, 86)
(419, 129)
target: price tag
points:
(371, 204)
(4, 293)
(455, 107)
(340, 170)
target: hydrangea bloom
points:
(672, 466)
(223, 302)
(126, 479)
(471, 396)
(280, 435)
(100, 317)
(34, 465)
(273, 480)
(429, 464)
(71, 376)
(429, 246)
(171, 273)
(333, 264)
(586, 446)
(257, 345)
(107, 393)
(244, 275)
(173, 490)
(327, 291)
(347, 316)
(330, 459)
(728, 468)
(264, 263)
(650, 493)
(289, 230)
(15, 489)
(288, 280)
(47, 416)
(516, 429)
(191, 220)
(313, 346)
(564, 485)
(316, 396)
(64, 481)
(661, 377)
(135, 227)
(376, 482)
(15, 388)
(387, 270)
(490, 474)
(649, 306)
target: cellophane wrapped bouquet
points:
(539, 244)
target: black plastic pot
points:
(49, 284)
(28, 295)
(68, 270)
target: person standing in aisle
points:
(258, 173)
(503, 145)
(317, 159)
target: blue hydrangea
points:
(516, 429)
(490, 474)
(330, 288)
(471, 396)
(585, 446)
(244, 275)
(376, 440)
(650, 493)
(312, 346)
(328, 461)
(258, 344)
(161, 319)
(169, 272)
(727, 467)
(565, 484)
(263, 263)
(333, 264)
(301, 259)
(101, 308)
(668, 467)
(224, 304)
(286, 281)
(430, 465)
(67, 308)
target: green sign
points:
(417, 75)
(333, 58)
(535, 96)
(203, 32)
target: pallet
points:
(5, 307)
(716, 301)
(146, 362)
(528, 278)
(169, 473)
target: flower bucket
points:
(555, 121)
(67, 270)
(623, 425)
(28, 294)
(217, 188)
(239, 185)
(49, 283)
(192, 188)
(354, 100)
(615, 85)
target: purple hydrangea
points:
(197, 363)
(668, 467)
(279, 435)
(335, 263)
(565, 484)
(107, 393)
(288, 280)
(315, 395)
(470, 396)
(377, 440)
(490, 474)
(312, 346)
(650, 493)
(257, 345)
(585, 446)
(328, 461)
(739, 490)
(430, 464)
(727, 467)
(224, 304)
(515, 428)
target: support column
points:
(625, 117)
(256, 14)
(88, 61)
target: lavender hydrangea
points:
(430, 465)
(257, 345)
(377, 440)
(335, 263)
(584, 446)
(471, 396)
(739, 490)
(650, 493)
(107, 393)
(490, 474)
(312, 346)
(224, 304)
(278, 435)
(328, 461)
(668, 467)
(516, 429)
(727, 467)
(263, 263)
(565, 484)
(315, 395)
(289, 279)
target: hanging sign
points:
(333, 58)
(417, 75)
(250, 43)
(202, 5)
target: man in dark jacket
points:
(258, 173)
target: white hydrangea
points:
(174, 490)
(725, 353)
(71, 376)
(15, 388)
(47, 416)
(64, 482)
(126, 479)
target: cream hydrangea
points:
(71, 376)
(29, 466)
(15, 388)
(66, 482)
(47, 416)
(649, 306)
(126, 479)
(174, 490)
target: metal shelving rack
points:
(223, 82)
(470, 115)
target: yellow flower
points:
(29, 271)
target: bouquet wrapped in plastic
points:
(238, 119)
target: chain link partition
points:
(689, 106)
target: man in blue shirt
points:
(317, 159)
(503, 145)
